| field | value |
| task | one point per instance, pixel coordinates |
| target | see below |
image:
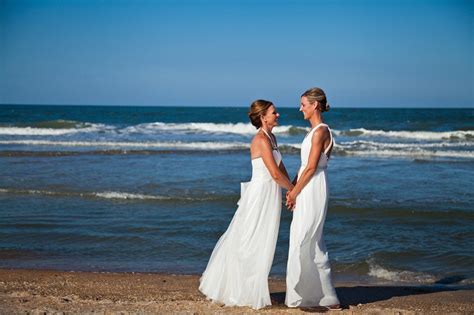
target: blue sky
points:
(228, 53)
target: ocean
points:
(151, 189)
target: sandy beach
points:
(48, 291)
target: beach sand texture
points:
(47, 291)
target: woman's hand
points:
(290, 200)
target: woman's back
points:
(307, 144)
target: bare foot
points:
(335, 307)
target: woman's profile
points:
(308, 278)
(237, 271)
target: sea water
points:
(151, 189)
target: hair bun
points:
(257, 109)
(317, 95)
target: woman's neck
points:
(267, 129)
(316, 119)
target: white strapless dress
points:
(237, 272)
(308, 279)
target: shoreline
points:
(52, 291)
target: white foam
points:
(172, 145)
(384, 149)
(408, 153)
(399, 276)
(132, 196)
(105, 194)
(358, 148)
(418, 135)
(30, 191)
(238, 128)
(30, 131)
(373, 144)
(124, 195)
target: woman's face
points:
(307, 108)
(271, 117)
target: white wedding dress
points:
(237, 272)
(308, 279)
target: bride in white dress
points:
(237, 272)
(308, 279)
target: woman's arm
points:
(317, 142)
(281, 166)
(267, 157)
(295, 180)
(283, 170)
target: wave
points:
(63, 127)
(248, 129)
(128, 196)
(420, 153)
(237, 128)
(403, 150)
(369, 267)
(380, 272)
(433, 145)
(117, 195)
(66, 128)
(129, 144)
(29, 131)
(108, 152)
(416, 135)
(354, 148)
(416, 150)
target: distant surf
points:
(351, 148)
(404, 134)
(153, 188)
(61, 127)
(113, 195)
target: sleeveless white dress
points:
(237, 272)
(308, 278)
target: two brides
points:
(238, 269)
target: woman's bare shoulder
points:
(259, 142)
(259, 138)
(321, 133)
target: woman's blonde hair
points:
(257, 109)
(317, 94)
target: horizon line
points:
(233, 106)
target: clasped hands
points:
(290, 200)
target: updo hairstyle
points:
(257, 109)
(317, 94)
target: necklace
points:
(273, 143)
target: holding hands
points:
(290, 200)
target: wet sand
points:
(48, 291)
